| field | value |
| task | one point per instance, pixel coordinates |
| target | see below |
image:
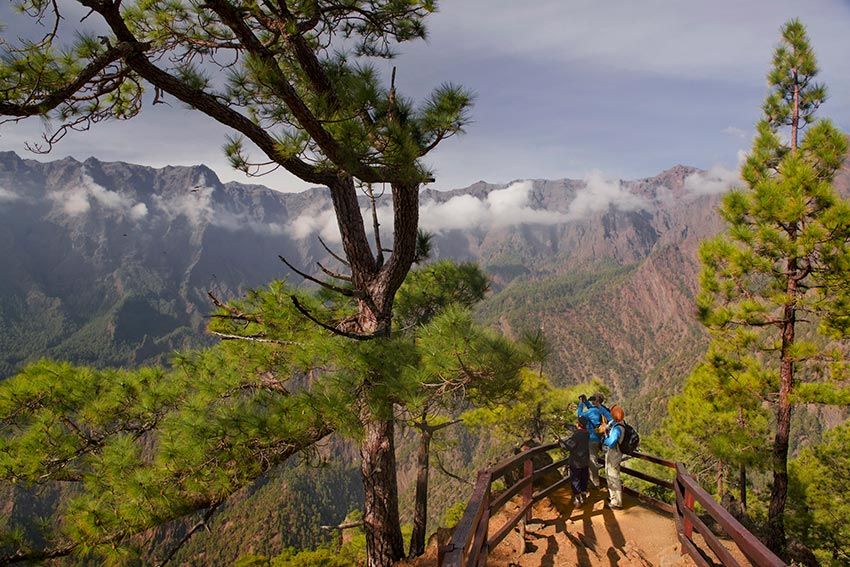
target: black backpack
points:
(630, 440)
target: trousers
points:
(613, 458)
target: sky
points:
(564, 88)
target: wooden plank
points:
(648, 478)
(651, 459)
(542, 471)
(749, 544)
(507, 495)
(468, 524)
(498, 470)
(723, 554)
(509, 525)
(692, 550)
(688, 506)
(479, 543)
(546, 491)
(528, 491)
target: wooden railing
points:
(471, 541)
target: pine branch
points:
(38, 555)
(57, 97)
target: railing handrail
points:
(498, 470)
(469, 545)
(749, 544)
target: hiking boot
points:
(578, 500)
(613, 506)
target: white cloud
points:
(501, 207)
(7, 195)
(196, 205)
(79, 200)
(718, 179)
(315, 221)
(138, 211)
(235, 222)
(600, 193)
(74, 202)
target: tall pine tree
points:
(294, 84)
(774, 285)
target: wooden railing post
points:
(527, 494)
(687, 524)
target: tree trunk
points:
(779, 491)
(720, 479)
(420, 511)
(384, 544)
(378, 285)
(795, 114)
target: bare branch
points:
(234, 312)
(332, 253)
(340, 290)
(201, 524)
(303, 310)
(335, 275)
(252, 338)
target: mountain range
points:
(110, 263)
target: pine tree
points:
(292, 81)
(718, 424)
(774, 286)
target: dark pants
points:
(578, 478)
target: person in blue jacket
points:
(613, 458)
(594, 410)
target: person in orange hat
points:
(614, 456)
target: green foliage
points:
(429, 289)
(786, 246)
(151, 445)
(453, 514)
(719, 421)
(537, 410)
(820, 497)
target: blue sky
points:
(564, 88)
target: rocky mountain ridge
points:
(109, 263)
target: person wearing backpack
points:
(596, 414)
(614, 456)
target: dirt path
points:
(591, 536)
